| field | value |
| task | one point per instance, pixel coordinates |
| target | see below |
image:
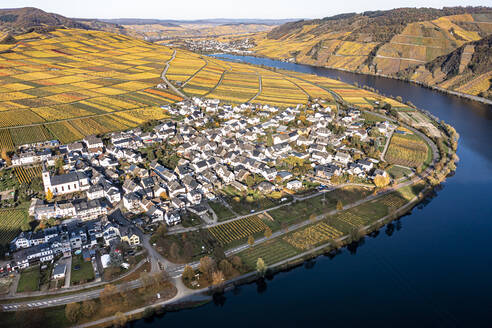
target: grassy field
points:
(29, 280)
(271, 252)
(84, 273)
(222, 212)
(301, 210)
(397, 172)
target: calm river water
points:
(431, 268)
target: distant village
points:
(239, 47)
(213, 145)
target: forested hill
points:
(24, 20)
(394, 42)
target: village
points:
(115, 189)
(241, 46)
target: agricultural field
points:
(69, 83)
(271, 252)
(6, 140)
(236, 87)
(183, 66)
(30, 134)
(236, 230)
(407, 150)
(301, 210)
(200, 84)
(393, 201)
(54, 85)
(11, 221)
(312, 236)
(26, 174)
(279, 91)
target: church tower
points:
(46, 179)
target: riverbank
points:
(202, 296)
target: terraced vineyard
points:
(236, 230)
(420, 44)
(71, 77)
(70, 83)
(11, 222)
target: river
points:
(431, 268)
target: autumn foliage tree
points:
(339, 205)
(188, 273)
(207, 267)
(6, 157)
(261, 266)
(89, 308)
(107, 294)
(49, 195)
(268, 232)
(381, 181)
(226, 267)
(251, 240)
(217, 278)
(73, 312)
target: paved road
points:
(169, 84)
(388, 139)
(260, 88)
(204, 58)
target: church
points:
(65, 183)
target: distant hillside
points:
(21, 20)
(467, 69)
(214, 21)
(393, 42)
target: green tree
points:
(73, 312)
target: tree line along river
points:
(431, 268)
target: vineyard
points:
(393, 201)
(350, 218)
(69, 77)
(271, 252)
(312, 236)
(407, 150)
(236, 230)
(11, 222)
(26, 174)
(70, 83)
